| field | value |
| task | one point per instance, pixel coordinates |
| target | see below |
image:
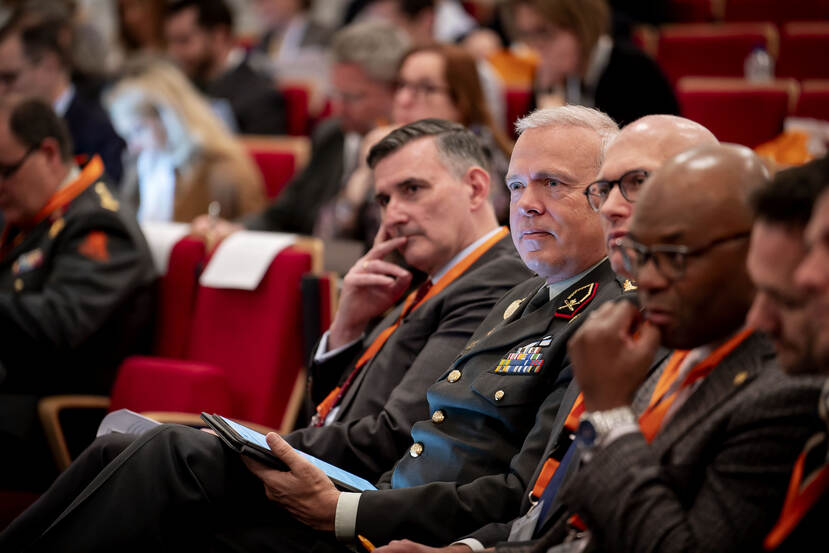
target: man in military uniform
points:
(76, 281)
(491, 410)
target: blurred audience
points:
(76, 282)
(34, 62)
(295, 44)
(140, 26)
(200, 40)
(365, 58)
(186, 158)
(579, 63)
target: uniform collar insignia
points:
(628, 286)
(56, 227)
(577, 299)
(107, 200)
(512, 308)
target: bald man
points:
(639, 150)
(706, 465)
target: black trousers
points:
(173, 489)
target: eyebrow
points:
(402, 184)
(542, 175)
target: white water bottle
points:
(759, 66)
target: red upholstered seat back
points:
(517, 105)
(277, 168)
(777, 11)
(711, 50)
(177, 298)
(255, 338)
(814, 100)
(804, 50)
(737, 111)
(297, 98)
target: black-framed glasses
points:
(6, 171)
(420, 89)
(629, 185)
(670, 260)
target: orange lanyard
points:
(651, 420)
(799, 499)
(92, 172)
(333, 398)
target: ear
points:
(477, 181)
(51, 149)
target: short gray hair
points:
(458, 147)
(376, 46)
(572, 116)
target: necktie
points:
(539, 300)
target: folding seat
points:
(776, 11)
(804, 50)
(736, 110)
(297, 108)
(712, 50)
(518, 102)
(279, 158)
(695, 11)
(814, 100)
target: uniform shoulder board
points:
(106, 197)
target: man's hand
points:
(304, 491)
(611, 354)
(406, 546)
(370, 287)
(212, 229)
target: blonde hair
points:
(152, 87)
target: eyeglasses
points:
(629, 185)
(420, 89)
(7, 171)
(669, 260)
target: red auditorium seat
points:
(736, 110)
(777, 11)
(711, 50)
(297, 108)
(518, 102)
(814, 100)
(279, 158)
(695, 11)
(804, 50)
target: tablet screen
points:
(333, 472)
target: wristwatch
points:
(595, 425)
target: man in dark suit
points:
(33, 62)
(790, 306)
(364, 63)
(76, 283)
(708, 460)
(200, 39)
(490, 410)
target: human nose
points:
(811, 275)
(395, 213)
(648, 275)
(531, 200)
(762, 315)
(615, 206)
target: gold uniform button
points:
(438, 417)
(416, 450)
(454, 376)
(18, 285)
(499, 395)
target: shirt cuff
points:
(345, 520)
(322, 355)
(471, 543)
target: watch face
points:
(586, 432)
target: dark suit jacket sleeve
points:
(263, 114)
(80, 293)
(326, 375)
(372, 443)
(441, 512)
(625, 495)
